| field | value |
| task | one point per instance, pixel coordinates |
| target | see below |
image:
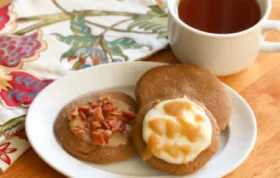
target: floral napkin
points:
(41, 41)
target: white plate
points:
(236, 142)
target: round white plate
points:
(236, 142)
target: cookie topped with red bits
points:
(104, 121)
(97, 127)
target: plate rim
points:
(236, 94)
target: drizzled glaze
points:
(176, 131)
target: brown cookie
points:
(176, 169)
(182, 79)
(87, 150)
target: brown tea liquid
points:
(220, 16)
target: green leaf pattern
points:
(116, 47)
(77, 41)
(78, 26)
(12, 126)
(126, 43)
(114, 50)
(155, 20)
(88, 49)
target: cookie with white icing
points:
(183, 79)
(176, 135)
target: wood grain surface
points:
(3, 3)
(259, 84)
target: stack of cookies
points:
(182, 109)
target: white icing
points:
(195, 147)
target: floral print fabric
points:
(41, 41)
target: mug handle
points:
(271, 46)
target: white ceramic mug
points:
(221, 54)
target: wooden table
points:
(259, 85)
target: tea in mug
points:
(220, 16)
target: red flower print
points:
(14, 50)
(21, 134)
(4, 151)
(8, 18)
(4, 17)
(19, 88)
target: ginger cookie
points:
(183, 79)
(176, 135)
(96, 127)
